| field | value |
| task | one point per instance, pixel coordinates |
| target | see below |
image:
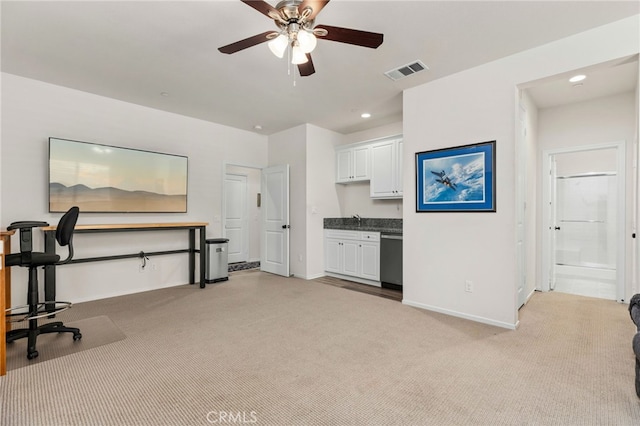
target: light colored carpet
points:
(273, 351)
(96, 331)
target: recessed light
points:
(257, 127)
(165, 94)
(577, 78)
(365, 115)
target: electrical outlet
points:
(299, 258)
(468, 286)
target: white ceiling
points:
(134, 51)
(605, 79)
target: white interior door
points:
(521, 186)
(553, 220)
(274, 253)
(236, 225)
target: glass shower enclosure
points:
(585, 233)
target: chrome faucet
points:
(358, 218)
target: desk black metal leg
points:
(192, 256)
(50, 271)
(203, 255)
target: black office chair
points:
(32, 260)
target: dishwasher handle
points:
(391, 237)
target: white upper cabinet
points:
(386, 169)
(353, 164)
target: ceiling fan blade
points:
(316, 6)
(307, 68)
(347, 35)
(247, 42)
(262, 7)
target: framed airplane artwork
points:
(458, 179)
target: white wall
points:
(290, 147)
(608, 119)
(309, 151)
(255, 225)
(392, 129)
(32, 111)
(443, 250)
(635, 277)
(322, 200)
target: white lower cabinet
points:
(350, 257)
(353, 254)
(370, 260)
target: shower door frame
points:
(548, 213)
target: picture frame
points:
(457, 179)
(109, 179)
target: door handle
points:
(286, 226)
(557, 228)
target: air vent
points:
(406, 70)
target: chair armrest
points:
(25, 228)
(26, 224)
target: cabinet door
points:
(383, 170)
(333, 255)
(350, 257)
(361, 162)
(344, 165)
(399, 170)
(370, 260)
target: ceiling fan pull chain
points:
(289, 72)
(292, 73)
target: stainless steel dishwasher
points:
(391, 260)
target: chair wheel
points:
(77, 336)
(32, 355)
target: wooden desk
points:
(50, 247)
(5, 296)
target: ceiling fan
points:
(295, 21)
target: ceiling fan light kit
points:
(295, 20)
(297, 55)
(278, 45)
(307, 41)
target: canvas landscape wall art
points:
(102, 178)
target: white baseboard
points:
(308, 277)
(475, 318)
(314, 276)
(354, 279)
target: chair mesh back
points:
(64, 231)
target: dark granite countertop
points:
(364, 224)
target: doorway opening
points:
(584, 249)
(241, 215)
(580, 117)
(255, 217)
